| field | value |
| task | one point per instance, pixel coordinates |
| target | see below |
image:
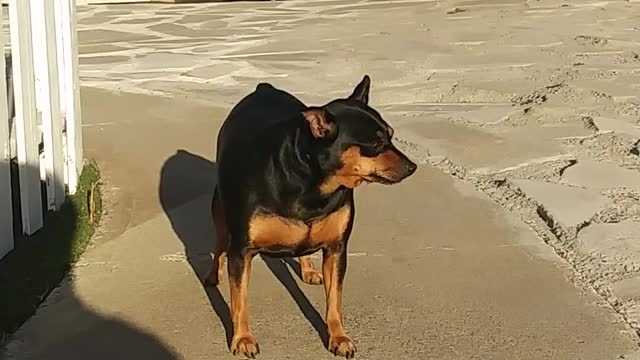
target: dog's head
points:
(355, 144)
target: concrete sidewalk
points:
(524, 116)
(436, 271)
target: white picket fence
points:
(41, 106)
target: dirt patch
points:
(586, 40)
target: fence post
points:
(6, 210)
(27, 132)
(67, 42)
(48, 98)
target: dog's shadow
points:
(186, 187)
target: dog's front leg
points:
(334, 267)
(239, 266)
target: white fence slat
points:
(48, 98)
(6, 214)
(70, 91)
(27, 133)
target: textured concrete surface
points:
(517, 239)
(419, 285)
(569, 206)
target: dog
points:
(286, 176)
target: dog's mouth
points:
(375, 178)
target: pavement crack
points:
(569, 164)
(635, 149)
(562, 239)
(590, 124)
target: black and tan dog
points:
(286, 174)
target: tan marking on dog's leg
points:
(339, 342)
(243, 342)
(214, 276)
(309, 274)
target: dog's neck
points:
(302, 176)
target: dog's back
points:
(261, 109)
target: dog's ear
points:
(321, 123)
(361, 92)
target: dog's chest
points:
(272, 232)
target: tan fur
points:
(222, 241)
(266, 230)
(330, 229)
(308, 272)
(243, 342)
(270, 230)
(357, 168)
(318, 123)
(339, 342)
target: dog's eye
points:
(381, 140)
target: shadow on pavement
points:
(64, 327)
(185, 177)
(279, 268)
(79, 333)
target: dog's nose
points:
(411, 167)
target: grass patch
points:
(39, 262)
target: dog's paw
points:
(312, 277)
(342, 346)
(245, 346)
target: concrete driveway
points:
(516, 239)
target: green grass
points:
(39, 262)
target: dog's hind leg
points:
(309, 274)
(214, 276)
